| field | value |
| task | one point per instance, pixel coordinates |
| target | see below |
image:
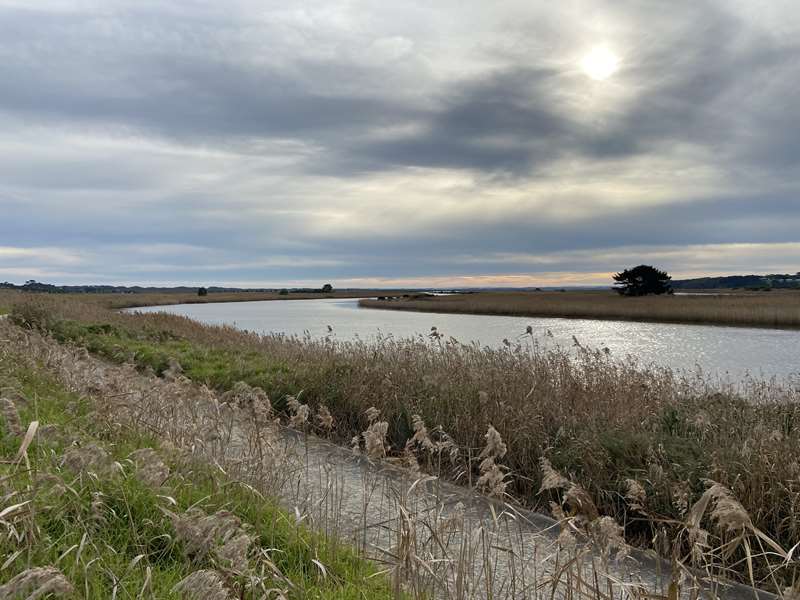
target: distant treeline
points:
(740, 281)
(776, 281)
(36, 286)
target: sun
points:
(600, 63)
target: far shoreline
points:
(120, 301)
(758, 310)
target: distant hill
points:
(739, 281)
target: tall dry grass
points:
(756, 309)
(432, 551)
(599, 423)
(190, 520)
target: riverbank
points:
(122, 301)
(602, 423)
(97, 503)
(778, 309)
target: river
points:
(730, 353)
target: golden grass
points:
(754, 309)
(602, 422)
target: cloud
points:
(269, 142)
(56, 256)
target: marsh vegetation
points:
(133, 300)
(749, 309)
(598, 437)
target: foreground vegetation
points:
(428, 550)
(750, 309)
(97, 507)
(600, 423)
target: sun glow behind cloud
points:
(600, 63)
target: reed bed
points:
(133, 300)
(638, 445)
(747, 309)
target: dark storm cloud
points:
(506, 121)
(717, 221)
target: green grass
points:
(215, 367)
(132, 544)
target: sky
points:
(410, 143)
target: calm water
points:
(729, 352)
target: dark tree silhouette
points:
(641, 281)
(202, 291)
(327, 288)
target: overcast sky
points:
(427, 143)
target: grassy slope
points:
(774, 309)
(94, 554)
